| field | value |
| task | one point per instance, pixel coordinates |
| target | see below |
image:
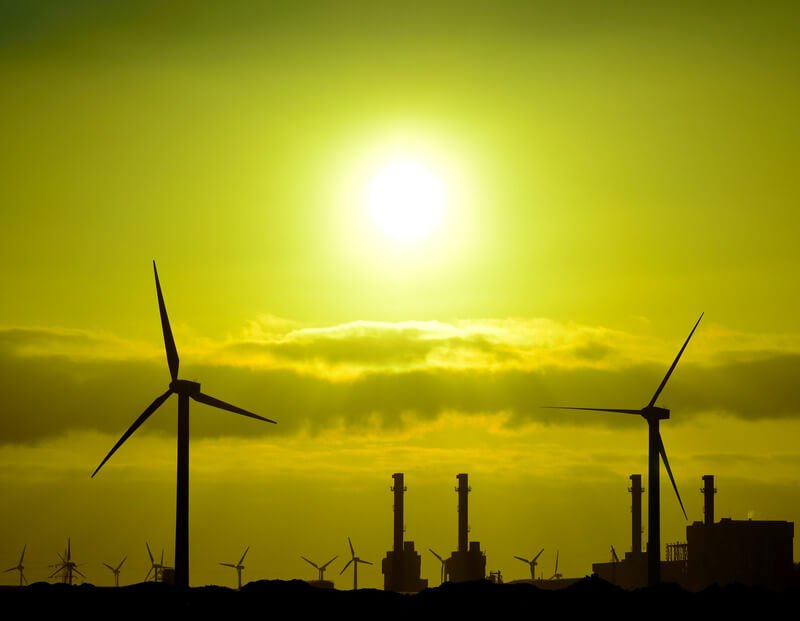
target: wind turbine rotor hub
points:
(184, 387)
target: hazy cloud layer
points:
(384, 375)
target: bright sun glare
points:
(406, 200)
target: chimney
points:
(398, 488)
(636, 490)
(708, 493)
(463, 511)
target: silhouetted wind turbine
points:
(66, 565)
(238, 567)
(185, 390)
(443, 562)
(155, 568)
(355, 561)
(20, 568)
(321, 570)
(532, 563)
(115, 570)
(556, 575)
(653, 414)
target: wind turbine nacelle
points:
(184, 387)
(655, 412)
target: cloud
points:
(383, 376)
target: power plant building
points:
(748, 552)
(402, 565)
(468, 562)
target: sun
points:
(406, 200)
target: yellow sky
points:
(611, 172)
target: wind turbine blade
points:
(229, 565)
(109, 566)
(12, 569)
(22, 575)
(358, 560)
(524, 560)
(672, 368)
(241, 560)
(78, 571)
(150, 554)
(329, 562)
(23, 554)
(538, 555)
(120, 565)
(353, 552)
(346, 566)
(669, 472)
(203, 398)
(436, 555)
(619, 411)
(69, 547)
(161, 562)
(136, 424)
(149, 571)
(556, 562)
(169, 341)
(311, 562)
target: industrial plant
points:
(747, 552)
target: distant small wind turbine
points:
(320, 569)
(66, 567)
(115, 571)
(532, 563)
(556, 575)
(653, 415)
(155, 568)
(443, 562)
(20, 568)
(355, 561)
(238, 567)
(185, 390)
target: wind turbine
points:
(20, 568)
(115, 571)
(185, 390)
(556, 575)
(443, 562)
(238, 567)
(532, 563)
(355, 561)
(66, 566)
(155, 568)
(321, 570)
(653, 414)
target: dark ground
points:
(276, 599)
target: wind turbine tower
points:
(355, 561)
(20, 568)
(185, 390)
(532, 563)
(238, 567)
(115, 571)
(653, 415)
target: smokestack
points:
(398, 488)
(708, 493)
(636, 490)
(463, 490)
